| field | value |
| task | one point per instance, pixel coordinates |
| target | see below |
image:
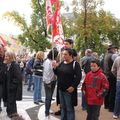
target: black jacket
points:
(2, 76)
(2, 66)
(13, 81)
(68, 76)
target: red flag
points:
(58, 36)
(2, 41)
(54, 1)
(49, 14)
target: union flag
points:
(58, 35)
(54, 1)
(49, 14)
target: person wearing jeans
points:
(49, 80)
(68, 75)
(116, 71)
(117, 100)
(30, 81)
(37, 76)
(67, 109)
(38, 87)
(49, 89)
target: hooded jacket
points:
(95, 86)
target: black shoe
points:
(28, 89)
(5, 104)
(58, 112)
(0, 109)
(53, 99)
(37, 103)
(41, 101)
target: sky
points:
(23, 7)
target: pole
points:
(52, 43)
(85, 25)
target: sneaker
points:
(53, 99)
(115, 117)
(41, 101)
(37, 103)
(51, 112)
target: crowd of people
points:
(65, 69)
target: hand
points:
(70, 89)
(83, 92)
(54, 64)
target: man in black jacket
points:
(2, 53)
(108, 62)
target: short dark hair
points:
(96, 61)
(69, 41)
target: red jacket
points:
(95, 86)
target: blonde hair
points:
(11, 55)
(40, 55)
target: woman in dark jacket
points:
(37, 77)
(2, 53)
(13, 84)
(68, 75)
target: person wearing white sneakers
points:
(49, 80)
(116, 71)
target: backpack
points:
(29, 66)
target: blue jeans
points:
(30, 80)
(37, 87)
(84, 104)
(49, 89)
(117, 99)
(93, 112)
(67, 108)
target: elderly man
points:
(108, 62)
(2, 53)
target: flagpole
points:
(57, 37)
(52, 42)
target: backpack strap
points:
(74, 65)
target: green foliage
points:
(114, 34)
(97, 26)
(34, 36)
(100, 26)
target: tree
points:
(34, 35)
(91, 25)
(114, 34)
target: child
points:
(95, 88)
